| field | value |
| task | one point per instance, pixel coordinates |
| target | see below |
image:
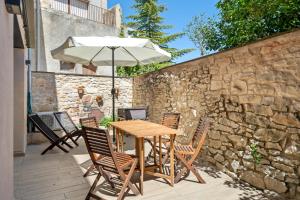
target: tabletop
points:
(140, 128)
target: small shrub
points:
(105, 121)
(255, 154)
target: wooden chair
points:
(89, 122)
(54, 139)
(68, 126)
(107, 161)
(187, 154)
(170, 120)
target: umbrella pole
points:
(113, 90)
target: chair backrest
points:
(43, 128)
(200, 133)
(99, 144)
(171, 120)
(98, 114)
(89, 122)
(65, 122)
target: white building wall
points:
(6, 104)
(20, 102)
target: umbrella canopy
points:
(98, 51)
(105, 51)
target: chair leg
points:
(64, 142)
(196, 173)
(71, 138)
(77, 137)
(90, 194)
(63, 149)
(188, 167)
(48, 148)
(91, 168)
(127, 182)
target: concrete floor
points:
(58, 176)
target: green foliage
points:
(243, 21)
(255, 154)
(148, 23)
(202, 32)
(105, 121)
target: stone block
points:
(214, 143)
(283, 167)
(216, 85)
(253, 178)
(269, 135)
(275, 185)
(252, 118)
(271, 145)
(214, 135)
(259, 109)
(287, 120)
(238, 141)
(236, 117)
(219, 158)
(238, 87)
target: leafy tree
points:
(202, 32)
(243, 21)
(147, 23)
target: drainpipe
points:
(37, 34)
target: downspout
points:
(37, 34)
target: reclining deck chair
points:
(106, 161)
(49, 134)
(68, 126)
(187, 154)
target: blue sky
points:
(179, 13)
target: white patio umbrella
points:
(106, 51)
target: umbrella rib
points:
(96, 55)
(137, 61)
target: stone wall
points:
(252, 96)
(52, 92)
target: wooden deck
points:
(58, 176)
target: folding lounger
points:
(54, 139)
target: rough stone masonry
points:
(252, 96)
(59, 92)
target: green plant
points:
(243, 21)
(255, 154)
(105, 121)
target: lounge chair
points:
(49, 134)
(68, 126)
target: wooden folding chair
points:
(68, 126)
(170, 120)
(89, 122)
(107, 161)
(54, 139)
(187, 154)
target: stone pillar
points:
(118, 15)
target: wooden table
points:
(141, 129)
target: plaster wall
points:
(20, 102)
(57, 26)
(6, 104)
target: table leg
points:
(122, 140)
(141, 156)
(154, 150)
(117, 139)
(172, 159)
(160, 155)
